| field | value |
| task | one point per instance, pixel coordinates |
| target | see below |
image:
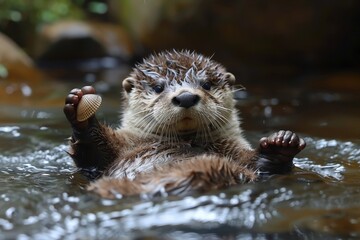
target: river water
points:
(42, 196)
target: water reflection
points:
(38, 200)
(41, 196)
(11, 130)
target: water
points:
(42, 196)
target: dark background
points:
(299, 60)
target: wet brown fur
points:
(201, 174)
(131, 161)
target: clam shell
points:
(87, 106)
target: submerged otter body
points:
(179, 132)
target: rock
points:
(69, 40)
(16, 64)
(21, 83)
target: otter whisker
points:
(144, 122)
(136, 114)
(218, 120)
(205, 124)
(149, 113)
(147, 126)
(221, 112)
(161, 125)
(171, 131)
(208, 136)
(224, 108)
(238, 87)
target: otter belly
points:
(145, 158)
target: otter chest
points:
(145, 157)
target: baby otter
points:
(179, 133)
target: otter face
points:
(179, 94)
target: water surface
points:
(42, 196)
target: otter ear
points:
(128, 84)
(230, 78)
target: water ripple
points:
(39, 199)
(12, 131)
(328, 158)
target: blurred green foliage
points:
(3, 71)
(39, 11)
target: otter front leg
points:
(277, 151)
(91, 143)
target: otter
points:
(179, 133)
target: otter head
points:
(177, 94)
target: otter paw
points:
(281, 146)
(71, 104)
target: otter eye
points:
(206, 86)
(158, 88)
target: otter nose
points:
(186, 100)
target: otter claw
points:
(282, 145)
(277, 151)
